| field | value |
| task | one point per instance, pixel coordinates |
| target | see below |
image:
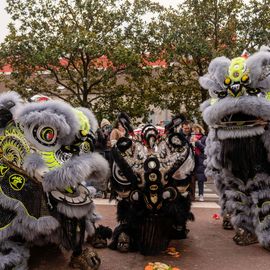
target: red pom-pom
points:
(216, 216)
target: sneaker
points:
(201, 199)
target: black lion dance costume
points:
(150, 179)
(46, 154)
(238, 144)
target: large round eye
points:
(45, 135)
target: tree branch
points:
(57, 79)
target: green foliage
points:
(65, 44)
(79, 50)
(200, 30)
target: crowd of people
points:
(108, 134)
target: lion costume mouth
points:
(79, 196)
(240, 121)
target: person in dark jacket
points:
(103, 146)
(198, 141)
(186, 130)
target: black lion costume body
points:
(150, 178)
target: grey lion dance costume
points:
(238, 145)
(150, 178)
(46, 155)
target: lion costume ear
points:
(124, 119)
(214, 80)
(91, 118)
(177, 120)
(9, 103)
(259, 67)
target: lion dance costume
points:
(150, 179)
(238, 144)
(46, 154)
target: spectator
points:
(103, 146)
(122, 128)
(186, 131)
(103, 138)
(117, 132)
(106, 128)
(198, 141)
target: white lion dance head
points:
(46, 154)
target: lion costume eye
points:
(45, 135)
(221, 94)
(253, 92)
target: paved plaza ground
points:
(208, 247)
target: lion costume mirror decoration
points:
(46, 154)
(238, 144)
(150, 179)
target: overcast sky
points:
(5, 19)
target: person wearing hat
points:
(103, 144)
(105, 123)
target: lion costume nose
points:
(235, 90)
